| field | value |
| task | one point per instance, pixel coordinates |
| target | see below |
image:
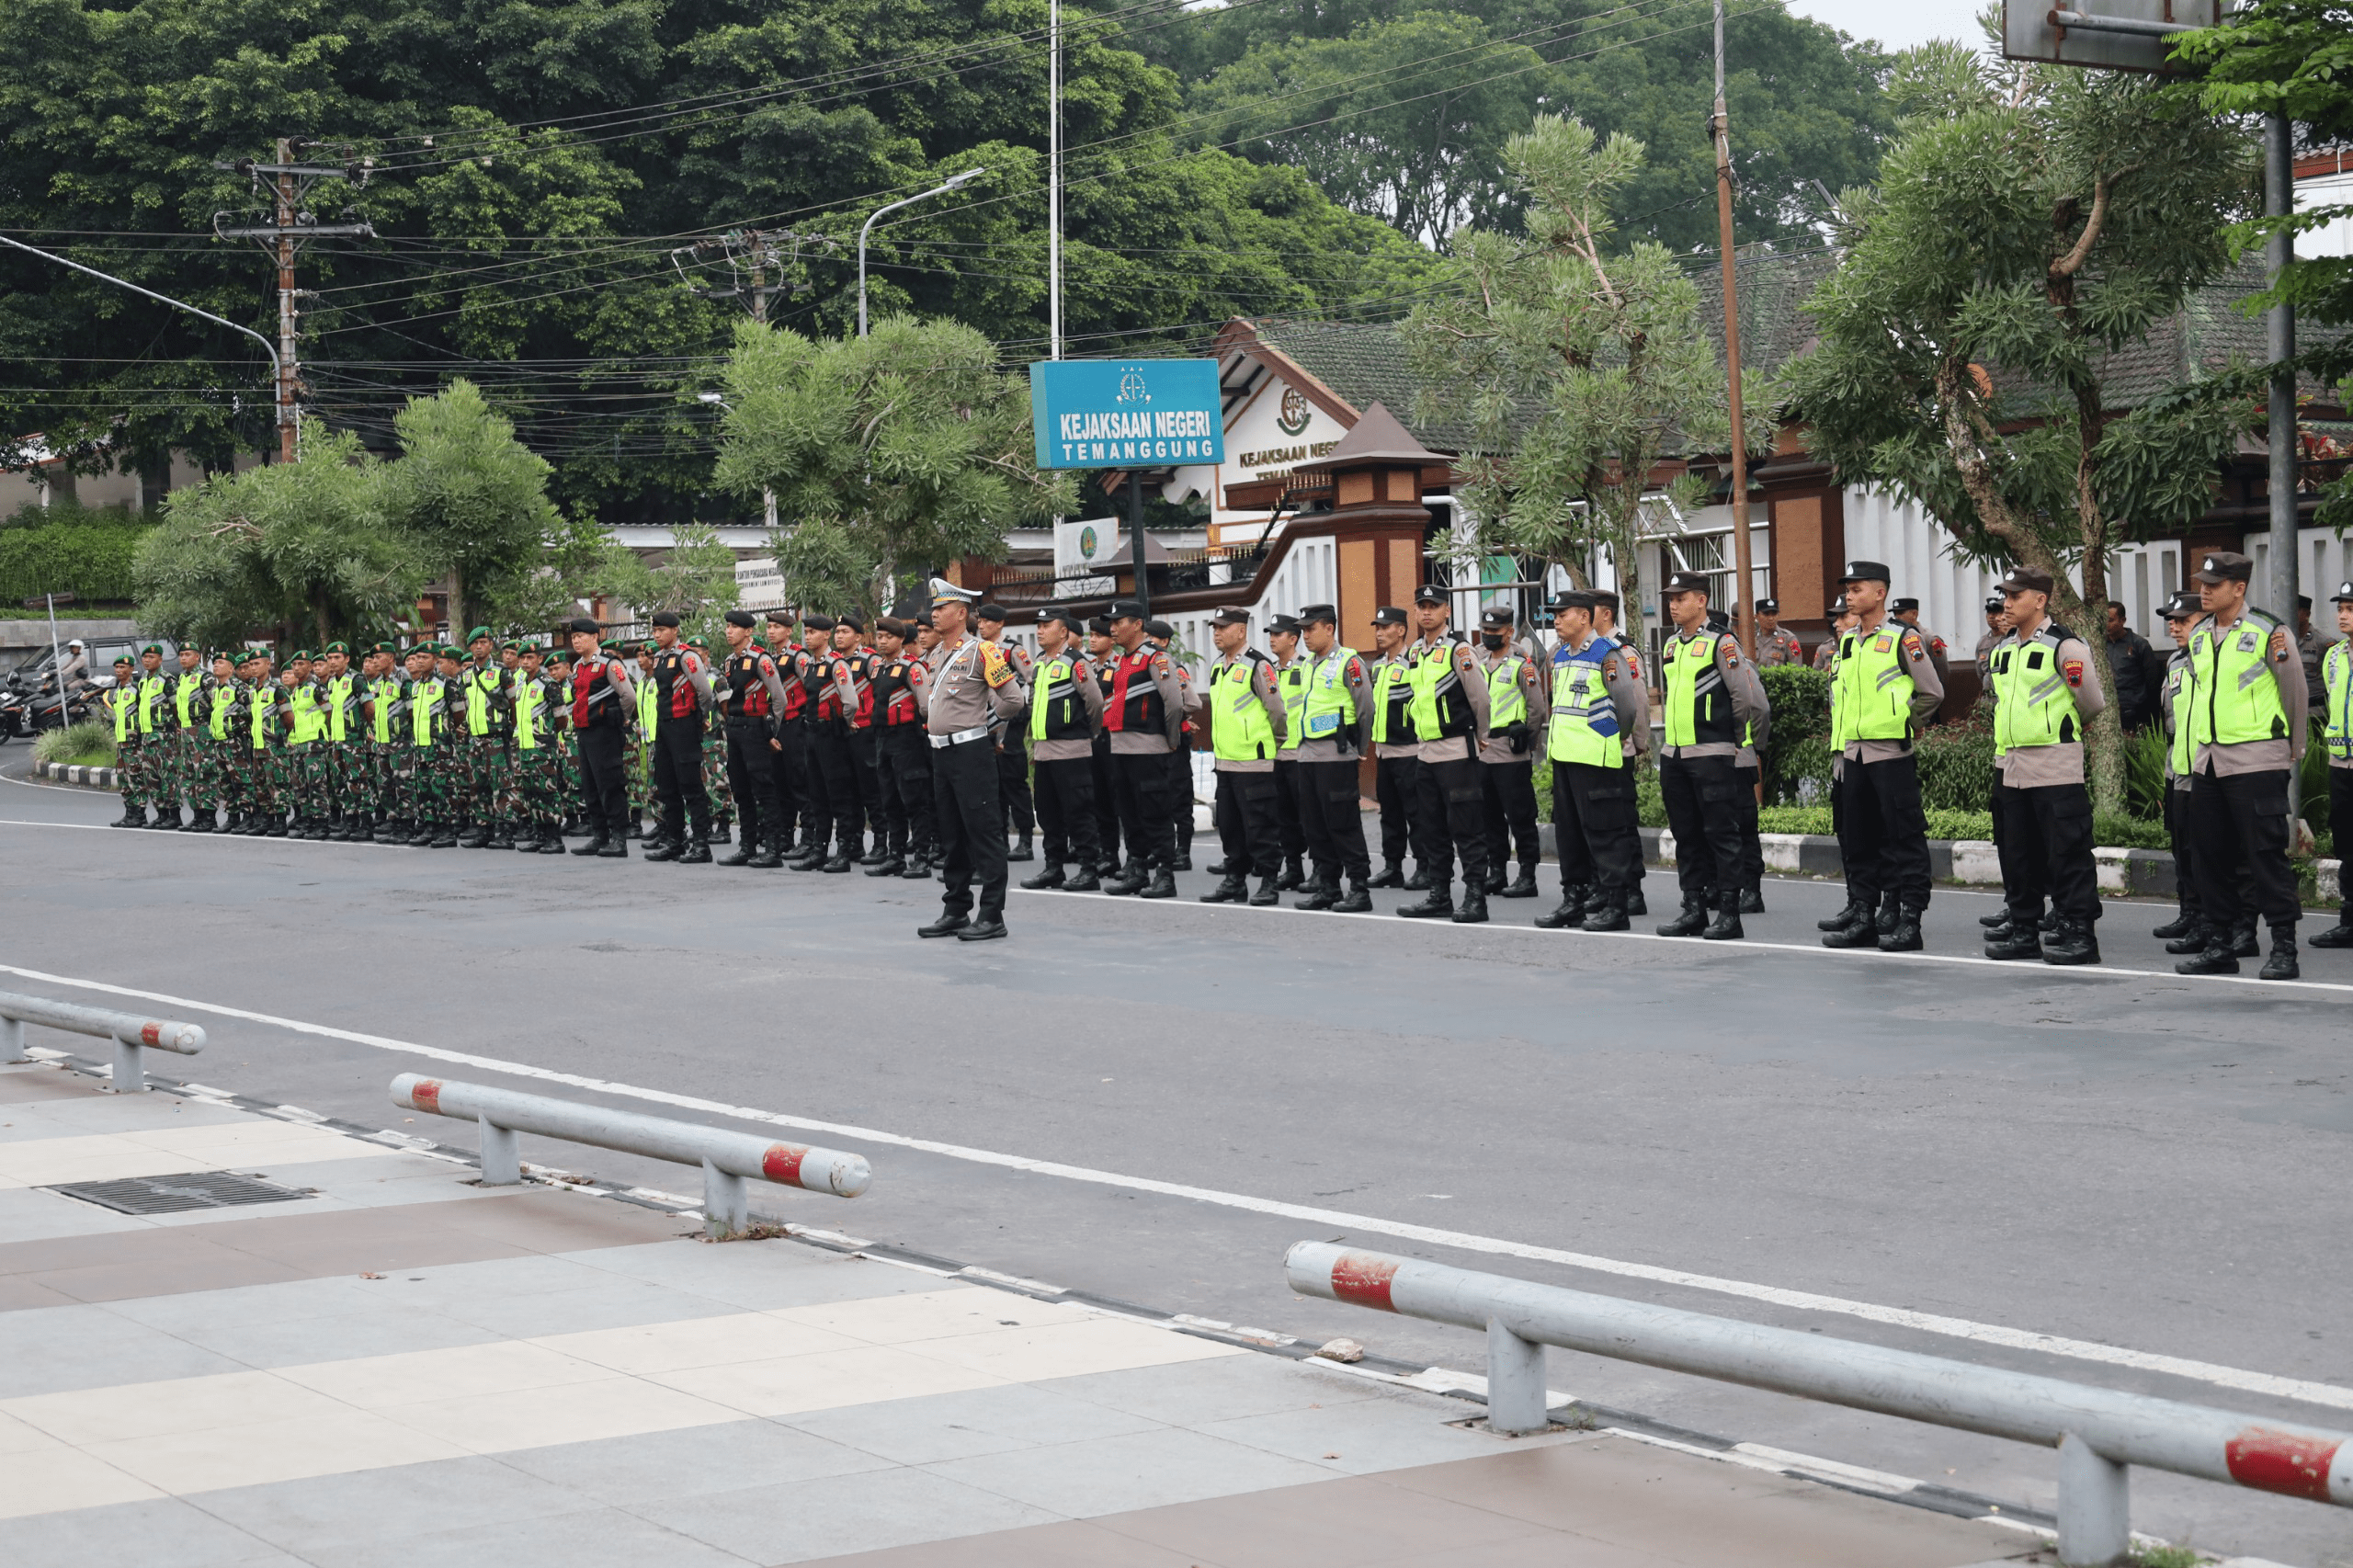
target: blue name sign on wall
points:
(1116, 413)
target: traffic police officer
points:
(1711, 706)
(1397, 755)
(1516, 713)
(1997, 626)
(2186, 932)
(1291, 813)
(1247, 726)
(1450, 724)
(1102, 654)
(1065, 706)
(1600, 721)
(2042, 701)
(969, 683)
(1885, 688)
(1335, 720)
(2336, 692)
(1013, 754)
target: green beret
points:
(478, 634)
(338, 648)
(512, 646)
(122, 659)
(611, 650)
(154, 648)
(301, 655)
(382, 648)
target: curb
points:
(106, 778)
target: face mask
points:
(1493, 639)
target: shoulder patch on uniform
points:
(1355, 670)
(1160, 665)
(2280, 646)
(2074, 670)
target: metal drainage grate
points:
(174, 1194)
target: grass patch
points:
(2167, 1557)
(90, 743)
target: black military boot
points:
(1128, 879)
(1323, 890)
(590, 845)
(1163, 884)
(1215, 867)
(444, 837)
(1636, 903)
(1752, 899)
(201, 823)
(1229, 890)
(525, 840)
(1571, 913)
(1860, 931)
(2282, 964)
(1726, 926)
(696, 853)
(1294, 875)
(2074, 943)
(1420, 881)
(502, 835)
(612, 849)
(1474, 903)
(808, 857)
(2182, 925)
(553, 843)
(1903, 937)
(718, 833)
(2216, 958)
(2243, 942)
(660, 848)
(1853, 909)
(1437, 904)
(1088, 880)
(1393, 875)
(473, 836)
(131, 817)
(741, 857)
(1357, 900)
(1889, 913)
(840, 863)
(2337, 936)
(2002, 917)
(1606, 912)
(2200, 935)
(1691, 923)
(2014, 940)
(1494, 882)
(1521, 886)
(1267, 895)
(1025, 851)
(1051, 877)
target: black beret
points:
(583, 624)
(740, 617)
(666, 617)
(816, 622)
(852, 622)
(1159, 629)
(779, 617)
(990, 611)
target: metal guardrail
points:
(2098, 1432)
(726, 1158)
(132, 1034)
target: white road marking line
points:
(1750, 944)
(2220, 1376)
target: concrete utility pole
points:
(284, 236)
(2280, 336)
(1744, 572)
(1054, 180)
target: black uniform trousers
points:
(604, 781)
(1508, 795)
(1331, 812)
(1013, 782)
(751, 781)
(972, 827)
(1291, 818)
(1595, 827)
(1140, 781)
(784, 784)
(677, 778)
(2047, 852)
(1249, 824)
(2184, 853)
(1886, 837)
(1066, 812)
(1107, 803)
(1702, 812)
(2239, 832)
(903, 762)
(1181, 796)
(1450, 803)
(1303, 785)
(1752, 847)
(865, 774)
(1396, 782)
(830, 763)
(2340, 824)
(808, 783)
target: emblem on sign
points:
(1132, 387)
(1086, 542)
(1295, 412)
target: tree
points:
(475, 501)
(695, 578)
(1578, 368)
(902, 450)
(2028, 225)
(296, 551)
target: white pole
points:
(1054, 179)
(56, 657)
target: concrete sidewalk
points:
(382, 1363)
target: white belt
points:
(941, 742)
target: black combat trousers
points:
(1885, 839)
(1508, 797)
(835, 772)
(1106, 804)
(604, 782)
(1331, 812)
(1752, 847)
(2048, 853)
(1180, 798)
(1141, 780)
(1450, 805)
(685, 806)
(806, 807)
(1704, 818)
(1595, 828)
(1066, 812)
(2185, 852)
(1248, 824)
(903, 758)
(972, 827)
(865, 774)
(751, 781)
(2239, 829)
(1013, 782)
(784, 784)
(1396, 781)
(1291, 820)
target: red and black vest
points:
(893, 689)
(677, 692)
(596, 705)
(1134, 701)
(748, 694)
(820, 683)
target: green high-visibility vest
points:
(1290, 685)
(1699, 708)
(1324, 708)
(1871, 691)
(2179, 753)
(1440, 709)
(263, 708)
(529, 695)
(648, 706)
(423, 708)
(304, 721)
(2337, 669)
(478, 696)
(386, 691)
(1507, 703)
(187, 685)
(151, 692)
(2233, 696)
(1585, 720)
(2032, 705)
(224, 707)
(1240, 727)
(122, 700)
(1056, 711)
(336, 708)
(1388, 699)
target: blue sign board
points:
(1124, 413)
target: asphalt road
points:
(2120, 1157)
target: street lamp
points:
(767, 495)
(953, 181)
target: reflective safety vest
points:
(124, 702)
(425, 699)
(2179, 753)
(649, 707)
(1392, 712)
(1290, 685)
(1135, 703)
(2337, 669)
(530, 701)
(480, 687)
(2233, 696)
(1698, 707)
(1240, 730)
(1585, 722)
(305, 723)
(1507, 702)
(150, 693)
(2032, 704)
(1440, 709)
(261, 708)
(224, 709)
(1871, 691)
(336, 705)
(1326, 708)
(386, 691)
(186, 687)
(1057, 712)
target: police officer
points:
(1450, 724)
(788, 737)
(1516, 713)
(851, 753)
(2186, 932)
(1842, 620)
(1775, 647)
(2044, 695)
(750, 695)
(902, 757)
(1997, 626)
(1161, 637)
(2247, 732)
(602, 699)
(1291, 814)
(1599, 722)
(1102, 654)
(968, 680)
(1335, 720)
(1144, 713)
(1247, 726)
(1065, 706)
(1397, 755)
(1884, 690)
(1013, 753)
(1748, 770)
(1908, 613)
(828, 776)
(682, 689)
(2337, 694)
(2312, 644)
(1710, 707)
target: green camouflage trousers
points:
(714, 776)
(138, 759)
(535, 788)
(487, 762)
(640, 775)
(431, 780)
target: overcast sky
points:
(1898, 26)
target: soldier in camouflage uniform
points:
(380, 709)
(641, 740)
(535, 789)
(714, 764)
(121, 704)
(303, 756)
(184, 705)
(482, 715)
(224, 709)
(261, 749)
(346, 743)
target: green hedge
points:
(69, 550)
